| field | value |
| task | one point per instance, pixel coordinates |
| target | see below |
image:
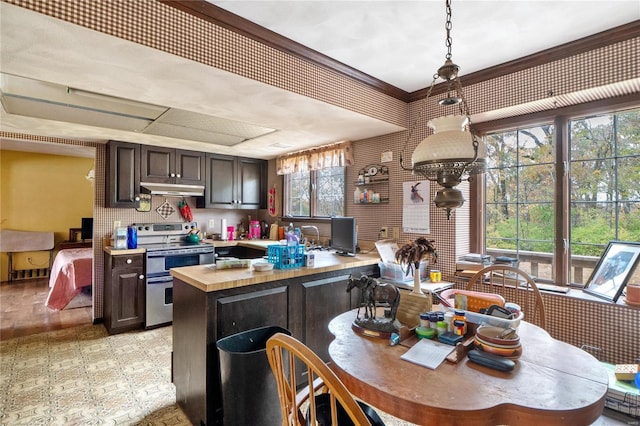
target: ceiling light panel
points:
(199, 121)
(36, 90)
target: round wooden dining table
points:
(553, 383)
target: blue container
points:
(286, 257)
(132, 237)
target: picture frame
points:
(616, 265)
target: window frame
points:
(313, 196)
(560, 118)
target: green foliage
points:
(604, 190)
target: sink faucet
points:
(303, 227)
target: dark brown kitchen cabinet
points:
(168, 165)
(234, 183)
(124, 292)
(252, 310)
(303, 305)
(122, 175)
(323, 300)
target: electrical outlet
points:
(117, 224)
(396, 233)
(384, 232)
(212, 224)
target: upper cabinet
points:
(168, 165)
(122, 175)
(234, 183)
(230, 182)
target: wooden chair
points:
(502, 280)
(331, 404)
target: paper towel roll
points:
(223, 229)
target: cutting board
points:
(273, 232)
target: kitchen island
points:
(210, 304)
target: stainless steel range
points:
(167, 248)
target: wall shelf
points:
(372, 186)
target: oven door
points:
(159, 301)
(159, 263)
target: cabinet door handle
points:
(129, 261)
(141, 277)
(172, 175)
(178, 176)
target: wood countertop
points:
(209, 279)
(259, 244)
(121, 252)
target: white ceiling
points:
(403, 42)
(376, 37)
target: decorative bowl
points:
(513, 352)
(262, 266)
(498, 335)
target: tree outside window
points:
(318, 193)
(519, 195)
(604, 176)
(522, 192)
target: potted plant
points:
(412, 254)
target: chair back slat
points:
(321, 379)
(515, 285)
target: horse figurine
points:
(371, 292)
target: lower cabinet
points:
(323, 300)
(252, 310)
(302, 305)
(124, 292)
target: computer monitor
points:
(344, 236)
(87, 228)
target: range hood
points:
(172, 189)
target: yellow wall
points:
(41, 192)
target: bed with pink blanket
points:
(72, 269)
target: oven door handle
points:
(159, 280)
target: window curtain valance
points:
(334, 155)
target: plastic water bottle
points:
(132, 237)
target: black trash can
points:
(249, 390)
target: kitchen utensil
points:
(194, 236)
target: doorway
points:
(45, 187)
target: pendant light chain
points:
(423, 106)
(447, 27)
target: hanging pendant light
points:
(453, 153)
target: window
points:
(527, 187)
(605, 171)
(317, 193)
(519, 195)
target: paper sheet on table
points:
(387, 250)
(428, 353)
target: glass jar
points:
(461, 319)
(254, 230)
